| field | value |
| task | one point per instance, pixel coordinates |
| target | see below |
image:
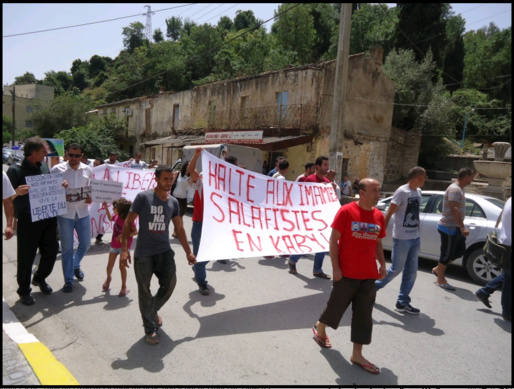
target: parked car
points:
(481, 215)
(7, 156)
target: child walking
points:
(121, 209)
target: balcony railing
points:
(297, 116)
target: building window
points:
(28, 123)
(282, 105)
(28, 109)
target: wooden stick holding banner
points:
(247, 214)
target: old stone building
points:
(292, 107)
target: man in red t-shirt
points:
(355, 244)
(322, 166)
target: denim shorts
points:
(114, 250)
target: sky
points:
(99, 34)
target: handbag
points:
(494, 251)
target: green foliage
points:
(6, 129)
(173, 28)
(245, 20)
(372, 25)
(414, 88)
(98, 138)
(422, 27)
(62, 113)
(201, 47)
(134, 36)
(158, 35)
(242, 56)
(488, 61)
(294, 31)
(27, 78)
(60, 81)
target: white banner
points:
(46, 196)
(247, 214)
(133, 181)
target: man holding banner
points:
(355, 244)
(40, 234)
(319, 177)
(153, 254)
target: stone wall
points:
(402, 154)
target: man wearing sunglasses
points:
(77, 178)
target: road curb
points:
(48, 370)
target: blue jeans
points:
(318, 261)
(66, 232)
(493, 285)
(199, 267)
(404, 258)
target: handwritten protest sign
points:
(247, 214)
(132, 182)
(107, 191)
(47, 196)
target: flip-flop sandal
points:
(124, 293)
(370, 368)
(323, 342)
(445, 286)
(434, 273)
(321, 275)
(105, 288)
(152, 339)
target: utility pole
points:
(148, 29)
(13, 114)
(340, 88)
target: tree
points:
(294, 30)
(61, 81)
(200, 47)
(173, 28)
(453, 62)
(241, 56)
(98, 64)
(80, 74)
(158, 36)
(488, 61)
(6, 129)
(62, 113)
(421, 27)
(134, 36)
(414, 87)
(27, 78)
(372, 25)
(245, 19)
(98, 138)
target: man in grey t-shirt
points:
(451, 226)
(153, 254)
(406, 242)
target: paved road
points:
(254, 329)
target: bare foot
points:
(124, 292)
(105, 286)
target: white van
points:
(248, 157)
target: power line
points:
(90, 23)
(209, 50)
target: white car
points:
(481, 215)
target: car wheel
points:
(480, 269)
